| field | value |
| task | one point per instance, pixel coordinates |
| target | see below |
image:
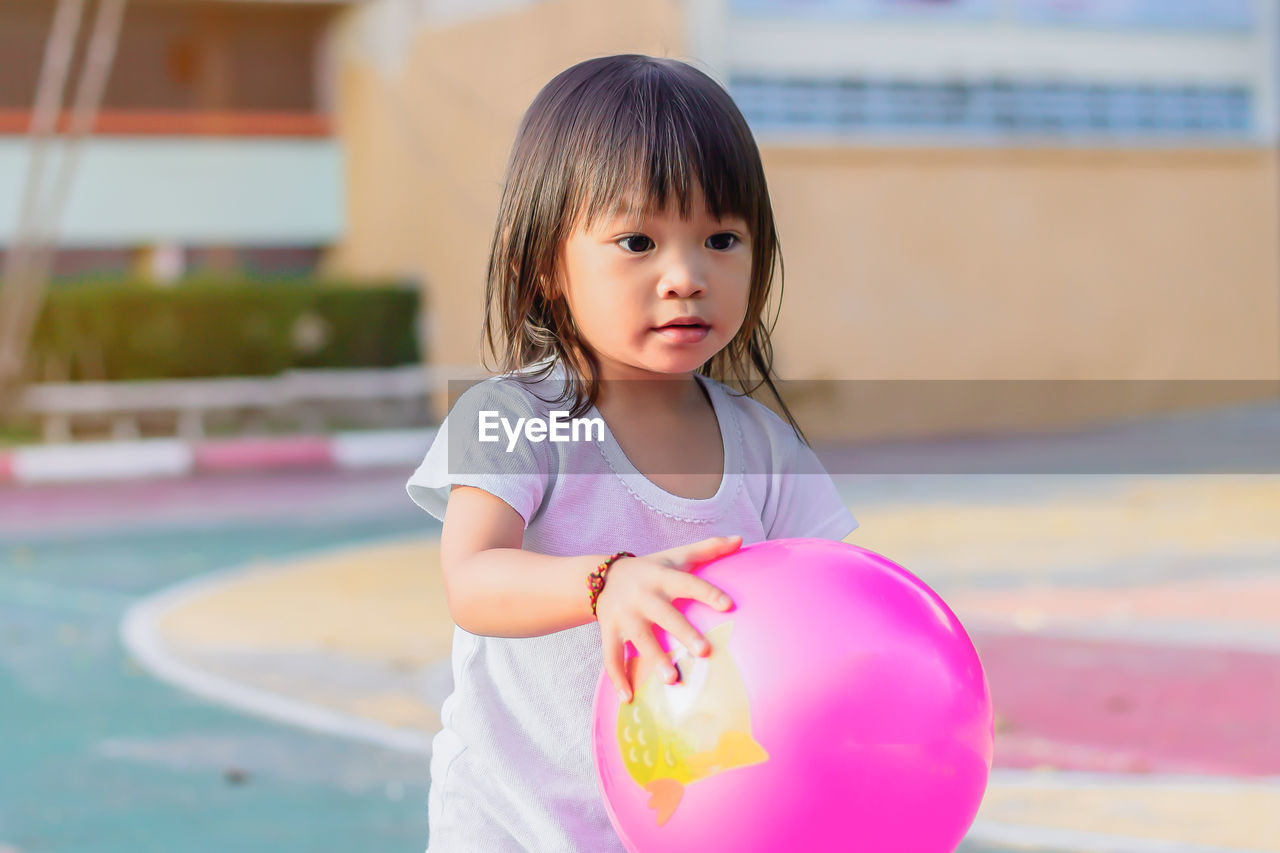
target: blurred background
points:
(243, 249)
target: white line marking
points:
(375, 448)
(1205, 638)
(102, 460)
(140, 636)
(1036, 779)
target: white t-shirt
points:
(512, 768)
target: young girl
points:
(628, 279)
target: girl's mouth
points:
(681, 333)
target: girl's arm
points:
(496, 589)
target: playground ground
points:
(256, 661)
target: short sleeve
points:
(806, 504)
(482, 444)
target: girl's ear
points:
(549, 286)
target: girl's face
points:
(628, 277)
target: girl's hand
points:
(637, 594)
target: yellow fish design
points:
(674, 734)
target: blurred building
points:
(214, 146)
(965, 189)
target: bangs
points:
(647, 137)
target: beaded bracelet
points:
(595, 580)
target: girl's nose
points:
(681, 283)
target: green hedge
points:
(96, 331)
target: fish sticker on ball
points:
(672, 735)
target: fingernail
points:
(723, 601)
(622, 696)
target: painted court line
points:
(1204, 637)
(140, 635)
(1082, 779)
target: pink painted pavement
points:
(1126, 707)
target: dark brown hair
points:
(599, 132)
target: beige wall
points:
(1003, 264)
(427, 148)
(900, 264)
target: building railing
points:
(956, 108)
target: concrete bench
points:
(302, 393)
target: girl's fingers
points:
(647, 645)
(614, 666)
(706, 592)
(674, 623)
(708, 549)
(685, 585)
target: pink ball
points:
(842, 707)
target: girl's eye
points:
(722, 242)
(633, 248)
